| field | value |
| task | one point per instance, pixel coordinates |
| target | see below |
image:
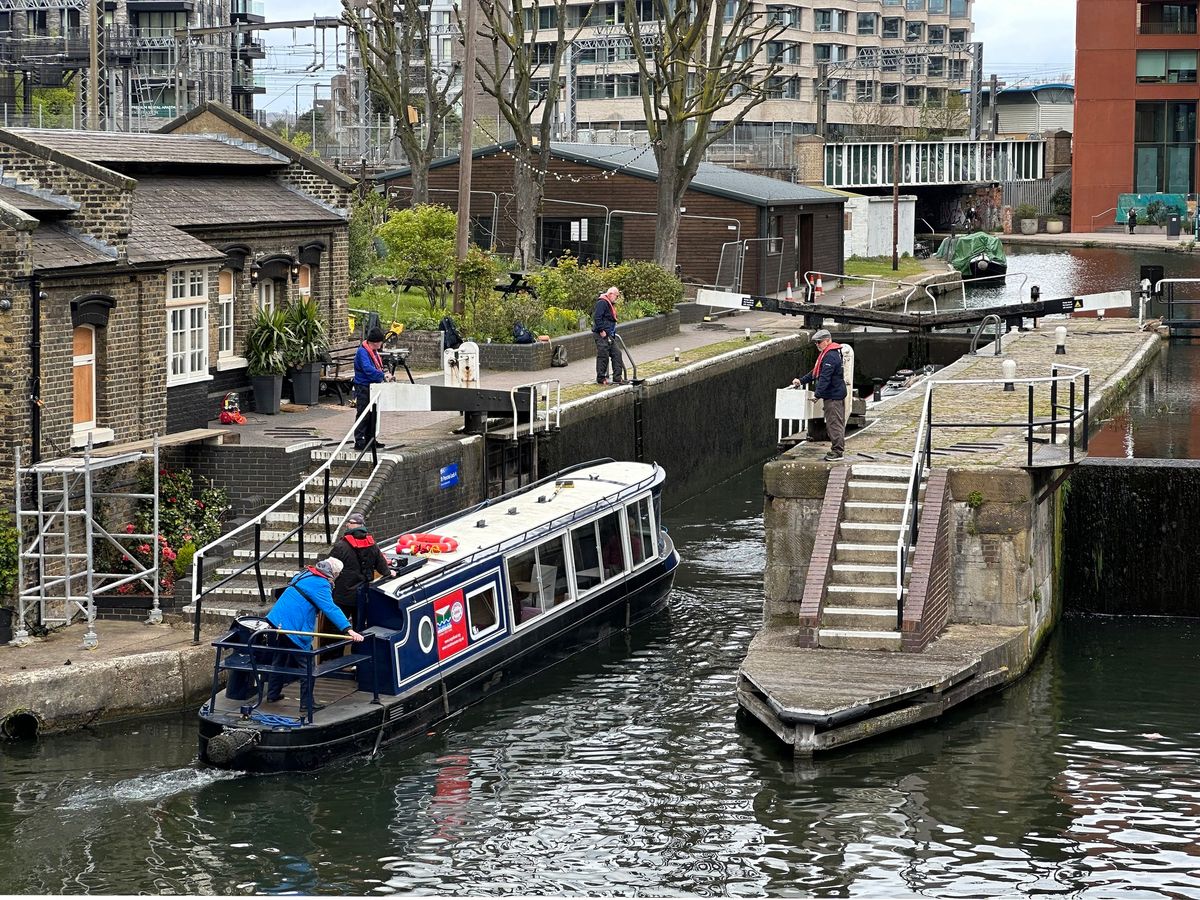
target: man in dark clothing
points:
(1132, 220)
(361, 561)
(296, 611)
(368, 370)
(604, 329)
(830, 387)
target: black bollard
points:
(878, 395)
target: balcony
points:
(254, 11)
(249, 83)
(1167, 18)
(251, 49)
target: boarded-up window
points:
(84, 377)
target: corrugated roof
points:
(34, 203)
(720, 181)
(152, 241)
(56, 248)
(124, 148)
(185, 201)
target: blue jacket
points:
(831, 379)
(292, 612)
(365, 370)
(603, 318)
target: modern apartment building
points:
(893, 85)
(147, 74)
(1135, 96)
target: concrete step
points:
(861, 596)
(851, 552)
(846, 639)
(272, 569)
(885, 491)
(864, 574)
(856, 618)
(873, 511)
(880, 470)
(288, 515)
(870, 532)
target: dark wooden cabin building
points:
(600, 205)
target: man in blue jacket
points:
(604, 329)
(296, 610)
(368, 370)
(830, 387)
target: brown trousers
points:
(835, 424)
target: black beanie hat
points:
(376, 336)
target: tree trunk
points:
(671, 186)
(527, 193)
(419, 167)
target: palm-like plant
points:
(309, 337)
(268, 345)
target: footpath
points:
(53, 684)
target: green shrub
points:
(421, 245)
(639, 280)
(1060, 201)
(10, 546)
(557, 320)
(494, 316)
(183, 559)
(1025, 211)
(366, 215)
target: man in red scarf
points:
(368, 370)
(830, 387)
(361, 560)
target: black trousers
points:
(364, 432)
(606, 351)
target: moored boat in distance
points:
(975, 255)
(475, 601)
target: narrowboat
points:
(976, 255)
(475, 601)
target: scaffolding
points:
(56, 569)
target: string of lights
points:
(563, 176)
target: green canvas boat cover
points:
(958, 251)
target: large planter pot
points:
(306, 384)
(1054, 226)
(1029, 226)
(268, 389)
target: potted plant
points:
(1054, 224)
(267, 347)
(307, 347)
(1027, 214)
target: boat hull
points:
(356, 725)
(982, 266)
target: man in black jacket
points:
(604, 329)
(361, 560)
(830, 387)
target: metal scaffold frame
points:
(59, 557)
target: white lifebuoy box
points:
(460, 367)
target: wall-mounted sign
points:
(448, 476)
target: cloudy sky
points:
(1023, 40)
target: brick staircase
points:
(240, 595)
(859, 612)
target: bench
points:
(517, 283)
(337, 371)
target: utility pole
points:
(822, 97)
(97, 16)
(895, 206)
(994, 118)
(465, 148)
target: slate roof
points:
(719, 181)
(187, 201)
(34, 203)
(56, 248)
(119, 148)
(153, 241)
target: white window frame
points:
(225, 302)
(305, 274)
(265, 287)
(187, 315)
(496, 603)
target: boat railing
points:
(523, 537)
(1021, 279)
(304, 518)
(810, 285)
(541, 412)
(255, 651)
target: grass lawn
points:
(401, 303)
(881, 266)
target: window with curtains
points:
(1166, 66)
(1164, 147)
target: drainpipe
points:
(35, 369)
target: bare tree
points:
(695, 60)
(395, 42)
(523, 73)
(871, 120)
(948, 119)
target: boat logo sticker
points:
(449, 614)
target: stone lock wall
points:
(795, 495)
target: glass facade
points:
(1165, 147)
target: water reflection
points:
(628, 771)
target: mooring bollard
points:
(1060, 340)
(1009, 368)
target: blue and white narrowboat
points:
(475, 601)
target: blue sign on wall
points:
(448, 476)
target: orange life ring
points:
(415, 544)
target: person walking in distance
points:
(361, 561)
(604, 329)
(830, 378)
(368, 370)
(1132, 220)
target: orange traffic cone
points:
(789, 292)
(820, 291)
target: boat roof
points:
(500, 525)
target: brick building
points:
(600, 205)
(147, 256)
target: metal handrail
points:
(299, 492)
(1112, 209)
(923, 449)
(990, 317)
(963, 282)
(810, 285)
(1168, 294)
(535, 413)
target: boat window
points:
(641, 535)
(613, 542)
(425, 634)
(587, 556)
(482, 612)
(539, 579)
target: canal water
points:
(628, 771)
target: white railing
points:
(1022, 280)
(810, 285)
(908, 528)
(859, 165)
(537, 393)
